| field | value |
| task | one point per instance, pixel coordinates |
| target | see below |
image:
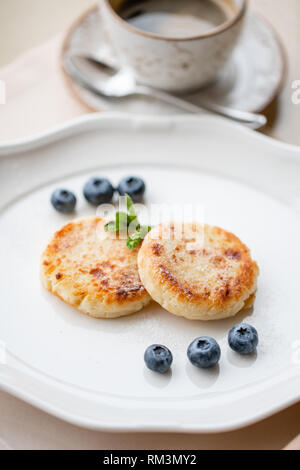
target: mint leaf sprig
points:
(137, 236)
(125, 220)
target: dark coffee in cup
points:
(176, 18)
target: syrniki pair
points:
(193, 270)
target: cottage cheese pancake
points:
(197, 271)
(92, 270)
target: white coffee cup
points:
(173, 64)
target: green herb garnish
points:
(137, 236)
(129, 220)
(130, 206)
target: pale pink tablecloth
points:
(38, 98)
(37, 95)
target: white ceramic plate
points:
(250, 82)
(91, 372)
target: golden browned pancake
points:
(197, 271)
(92, 270)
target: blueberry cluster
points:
(99, 191)
(204, 352)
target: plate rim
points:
(89, 120)
(11, 386)
(9, 380)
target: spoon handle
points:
(253, 120)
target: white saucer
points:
(250, 82)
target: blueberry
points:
(63, 201)
(98, 191)
(158, 358)
(133, 186)
(243, 338)
(204, 352)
